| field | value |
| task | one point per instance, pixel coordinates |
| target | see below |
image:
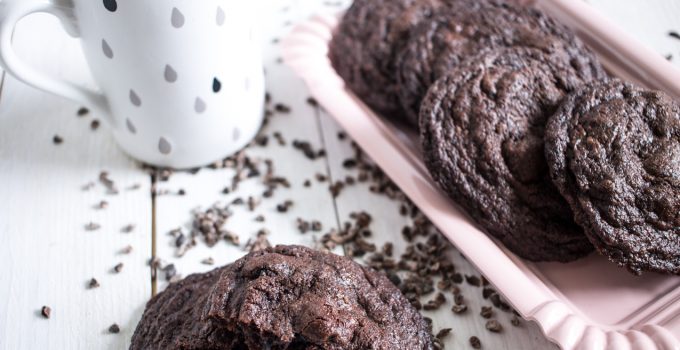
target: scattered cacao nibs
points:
(473, 281)
(126, 250)
(226, 190)
(459, 309)
(282, 108)
(349, 163)
(435, 303)
(88, 186)
(321, 177)
(279, 138)
(102, 205)
(669, 57)
(487, 292)
(118, 268)
(181, 192)
(457, 278)
(306, 148)
(114, 329)
(303, 226)
(674, 35)
(342, 135)
(336, 188)
(93, 283)
(475, 342)
(128, 228)
(46, 311)
(170, 272)
(134, 187)
(258, 243)
(260, 218)
(57, 140)
(312, 102)
(515, 321)
(458, 299)
(494, 326)
(317, 226)
(284, 207)
(443, 333)
(180, 240)
(208, 261)
(486, 312)
(94, 125)
(109, 184)
(307, 183)
(253, 203)
(91, 226)
(82, 111)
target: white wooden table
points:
(47, 256)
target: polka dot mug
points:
(181, 82)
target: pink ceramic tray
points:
(588, 304)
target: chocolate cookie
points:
(365, 44)
(287, 297)
(482, 133)
(459, 32)
(174, 319)
(614, 154)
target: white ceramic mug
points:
(181, 82)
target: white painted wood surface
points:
(47, 257)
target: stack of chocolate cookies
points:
(522, 127)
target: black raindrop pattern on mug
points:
(170, 74)
(134, 98)
(177, 18)
(217, 85)
(199, 105)
(106, 48)
(130, 126)
(164, 146)
(111, 5)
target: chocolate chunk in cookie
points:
(614, 154)
(482, 132)
(461, 31)
(365, 45)
(287, 297)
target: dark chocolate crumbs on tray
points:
(459, 309)
(515, 321)
(673, 34)
(208, 261)
(46, 311)
(128, 228)
(102, 205)
(82, 111)
(126, 250)
(94, 125)
(57, 140)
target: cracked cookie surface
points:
(287, 297)
(614, 153)
(365, 45)
(463, 30)
(482, 132)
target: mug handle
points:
(13, 11)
